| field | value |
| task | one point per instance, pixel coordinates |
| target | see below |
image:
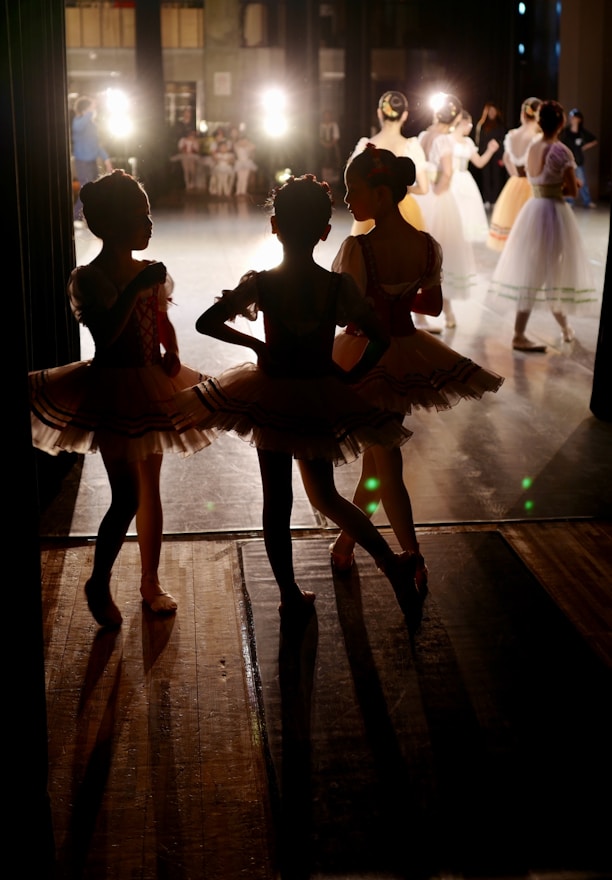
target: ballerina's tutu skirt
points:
(307, 417)
(515, 193)
(417, 371)
(76, 406)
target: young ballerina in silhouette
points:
(392, 113)
(398, 269)
(295, 402)
(116, 402)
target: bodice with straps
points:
(392, 309)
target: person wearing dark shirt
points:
(578, 139)
(492, 176)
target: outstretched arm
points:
(482, 159)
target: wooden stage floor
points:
(212, 745)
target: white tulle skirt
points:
(443, 221)
(544, 264)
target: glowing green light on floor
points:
(371, 508)
(529, 505)
(526, 482)
(372, 484)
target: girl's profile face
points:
(136, 223)
(360, 197)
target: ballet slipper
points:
(100, 603)
(400, 570)
(528, 345)
(568, 334)
(421, 576)
(158, 600)
(341, 563)
(297, 603)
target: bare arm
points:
(421, 184)
(482, 159)
(213, 322)
(570, 184)
(378, 343)
(445, 175)
(167, 336)
(428, 301)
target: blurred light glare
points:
(274, 100)
(117, 101)
(437, 100)
(118, 122)
(275, 126)
(522, 8)
(283, 176)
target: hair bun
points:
(392, 105)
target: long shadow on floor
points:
(478, 749)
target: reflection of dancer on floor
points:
(463, 184)
(295, 403)
(517, 188)
(392, 113)
(397, 267)
(440, 208)
(116, 403)
(543, 263)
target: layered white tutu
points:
(471, 206)
(74, 407)
(443, 221)
(416, 372)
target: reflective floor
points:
(217, 744)
(534, 450)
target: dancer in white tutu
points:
(440, 209)
(544, 263)
(463, 184)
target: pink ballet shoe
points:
(100, 603)
(341, 563)
(157, 599)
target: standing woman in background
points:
(517, 189)
(493, 175)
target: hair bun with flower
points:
(392, 105)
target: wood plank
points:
(573, 561)
(155, 746)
